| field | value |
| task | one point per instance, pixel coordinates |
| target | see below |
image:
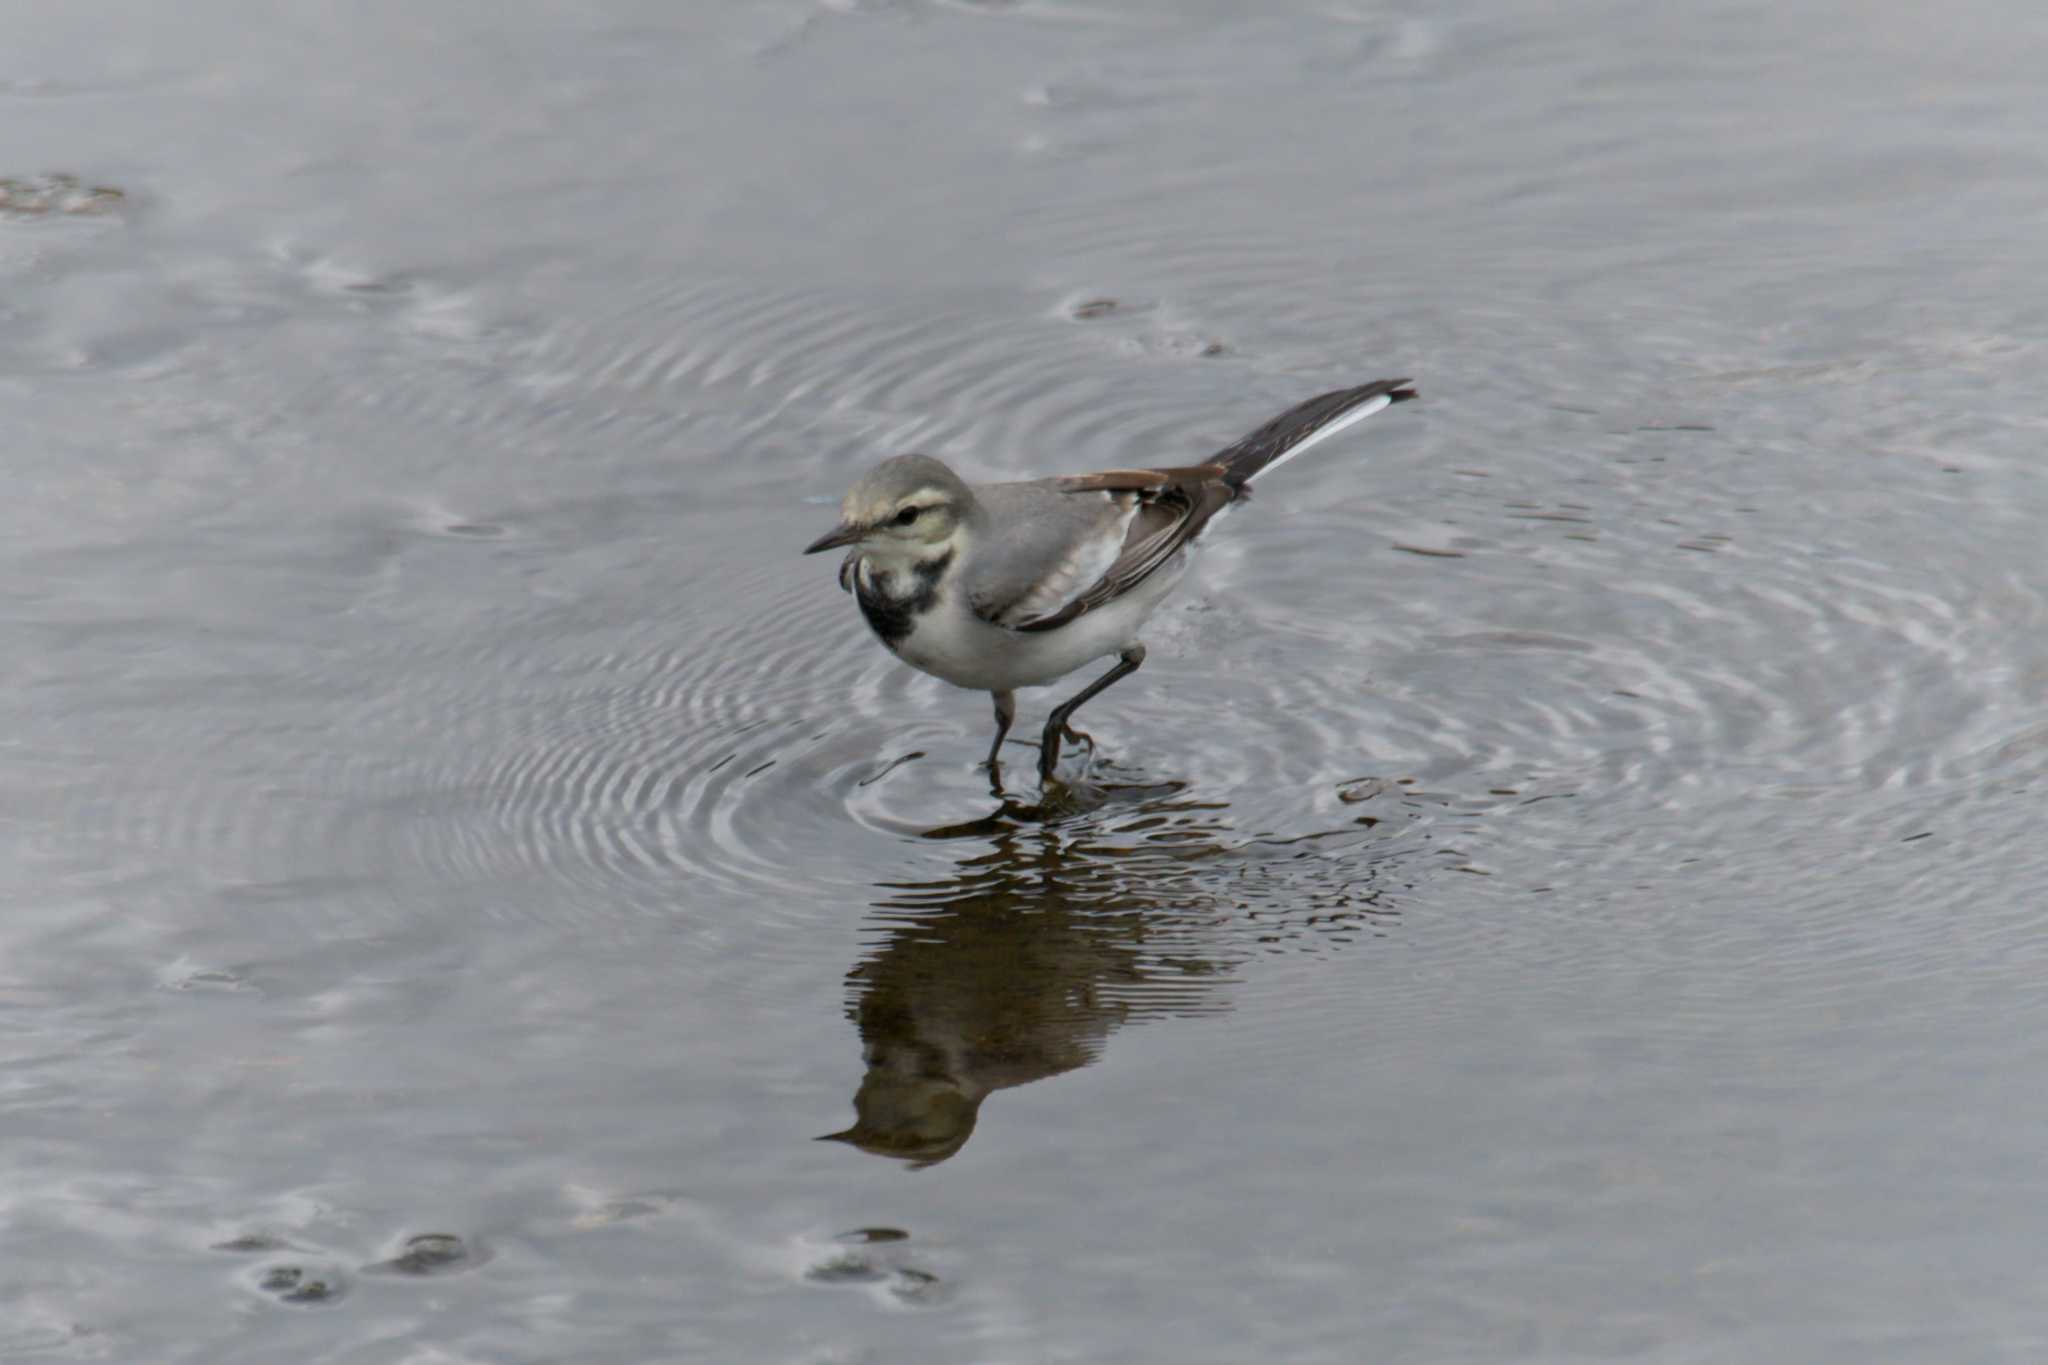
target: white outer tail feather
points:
(1349, 417)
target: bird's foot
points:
(1048, 756)
(1049, 749)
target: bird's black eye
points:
(907, 515)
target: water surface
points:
(1565, 885)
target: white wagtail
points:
(998, 586)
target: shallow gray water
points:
(1566, 886)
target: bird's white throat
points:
(893, 568)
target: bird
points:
(997, 586)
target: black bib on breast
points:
(892, 617)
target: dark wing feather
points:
(1175, 504)
(1173, 507)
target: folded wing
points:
(1163, 509)
(1157, 511)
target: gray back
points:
(1036, 546)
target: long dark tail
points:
(1302, 425)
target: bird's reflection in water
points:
(1056, 929)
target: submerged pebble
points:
(35, 196)
(295, 1284)
(429, 1253)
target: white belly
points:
(952, 643)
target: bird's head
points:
(907, 504)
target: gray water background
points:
(1568, 884)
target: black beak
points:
(837, 536)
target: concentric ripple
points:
(561, 699)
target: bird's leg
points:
(1056, 724)
(1006, 711)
